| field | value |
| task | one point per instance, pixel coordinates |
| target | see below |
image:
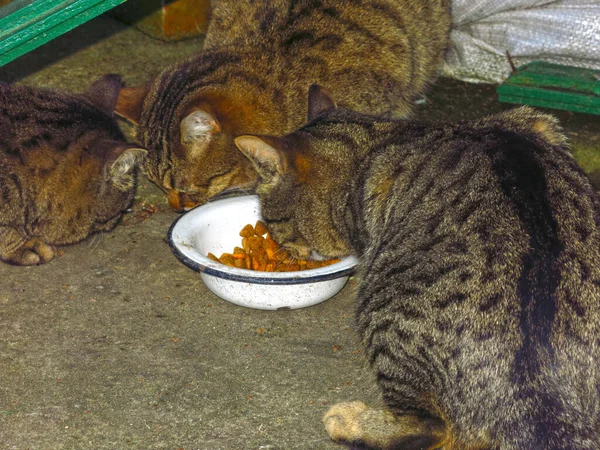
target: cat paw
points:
(44, 251)
(34, 252)
(341, 421)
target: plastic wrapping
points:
(564, 32)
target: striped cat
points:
(479, 300)
(258, 60)
(65, 168)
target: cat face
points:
(105, 185)
(198, 159)
(203, 143)
(299, 177)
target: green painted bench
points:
(27, 24)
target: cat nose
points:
(180, 201)
(175, 200)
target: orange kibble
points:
(255, 242)
(259, 252)
(311, 264)
(264, 254)
(270, 243)
(246, 244)
(270, 253)
(227, 259)
(239, 253)
(261, 265)
(292, 267)
(255, 263)
(247, 231)
(260, 228)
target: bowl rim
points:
(207, 266)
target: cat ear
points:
(104, 92)
(264, 152)
(319, 101)
(198, 126)
(129, 158)
(130, 103)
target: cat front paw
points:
(341, 421)
(32, 253)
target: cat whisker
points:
(95, 242)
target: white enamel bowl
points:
(214, 227)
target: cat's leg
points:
(355, 424)
(14, 249)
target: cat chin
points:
(317, 257)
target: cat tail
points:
(531, 121)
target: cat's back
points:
(30, 116)
(391, 44)
(492, 233)
(509, 185)
(40, 128)
(275, 23)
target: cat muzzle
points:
(180, 201)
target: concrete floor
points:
(117, 345)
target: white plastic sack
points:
(562, 31)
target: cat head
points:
(104, 184)
(86, 171)
(193, 156)
(300, 177)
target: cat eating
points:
(479, 299)
(66, 170)
(258, 60)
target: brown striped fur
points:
(65, 168)
(258, 60)
(479, 299)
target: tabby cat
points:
(479, 300)
(65, 168)
(259, 58)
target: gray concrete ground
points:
(117, 345)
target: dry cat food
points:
(260, 252)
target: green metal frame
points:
(27, 24)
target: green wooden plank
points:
(38, 22)
(557, 96)
(553, 86)
(557, 77)
(544, 103)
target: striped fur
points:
(65, 168)
(259, 59)
(479, 301)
